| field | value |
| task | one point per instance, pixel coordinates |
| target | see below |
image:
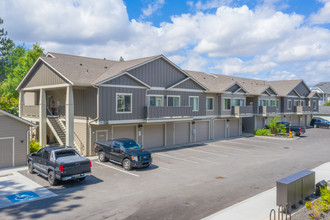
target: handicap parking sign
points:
(23, 196)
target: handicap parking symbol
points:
(23, 196)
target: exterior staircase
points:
(58, 130)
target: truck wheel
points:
(51, 178)
(30, 167)
(127, 164)
(102, 157)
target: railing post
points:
(42, 118)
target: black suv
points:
(320, 122)
(123, 151)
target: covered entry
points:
(181, 133)
(6, 152)
(202, 130)
(233, 127)
(153, 135)
(219, 129)
(124, 132)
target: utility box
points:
(295, 188)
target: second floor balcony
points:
(242, 110)
(304, 109)
(153, 112)
(264, 110)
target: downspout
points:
(97, 116)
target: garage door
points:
(219, 129)
(302, 120)
(153, 136)
(295, 121)
(260, 123)
(6, 152)
(233, 128)
(287, 119)
(308, 118)
(202, 131)
(182, 131)
(125, 132)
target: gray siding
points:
(107, 96)
(215, 104)
(189, 84)
(124, 80)
(292, 93)
(43, 76)
(228, 96)
(14, 128)
(81, 136)
(85, 102)
(233, 88)
(158, 73)
(271, 91)
(302, 89)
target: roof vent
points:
(81, 64)
(215, 76)
(106, 67)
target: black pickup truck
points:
(59, 163)
(123, 151)
(296, 130)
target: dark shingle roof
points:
(324, 86)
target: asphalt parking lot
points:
(182, 183)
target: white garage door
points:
(302, 120)
(6, 152)
(233, 128)
(124, 132)
(260, 123)
(295, 121)
(182, 131)
(219, 129)
(153, 135)
(202, 131)
(287, 119)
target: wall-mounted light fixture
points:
(22, 141)
(227, 120)
(140, 126)
(193, 122)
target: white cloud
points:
(323, 15)
(211, 4)
(233, 40)
(153, 7)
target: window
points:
(156, 100)
(289, 104)
(124, 103)
(173, 100)
(226, 104)
(209, 104)
(296, 103)
(193, 102)
(277, 103)
(273, 103)
(238, 102)
(314, 104)
(302, 103)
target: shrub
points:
(34, 146)
(262, 132)
(319, 206)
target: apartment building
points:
(79, 100)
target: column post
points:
(69, 117)
(42, 118)
(20, 103)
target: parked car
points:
(320, 123)
(296, 130)
(59, 163)
(123, 151)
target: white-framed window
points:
(265, 102)
(209, 103)
(273, 103)
(194, 102)
(155, 100)
(277, 103)
(123, 102)
(289, 104)
(226, 104)
(314, 104)
(296, 103)
(173, 100)
(302, 103)
(238, 102)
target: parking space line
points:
(255, 139)
(117, 169)
(229, 148)
(207, 152)
(164, 155)
(252, 145)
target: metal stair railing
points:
(76, 146)
(281, 211)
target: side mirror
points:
(116, 148)
(33, 154)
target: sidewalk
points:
(258, 207)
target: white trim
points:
(119, 75)
(123, 86)
(178, 83)
(19, 85)
(130, 94)
(176, 89)
(140, 81)
(109, 79)
(208, 97)
(50, 55)
(106, 134)
(223, 107)
(156, 95)
(17, 118)
(174, 96)
(45, 87)
(289, 100)
(13, 138)
(197, 103)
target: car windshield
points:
(65, 153)
(130, 145)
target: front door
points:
(102, 135)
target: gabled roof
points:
(284, 87)
(324, 86)
(2, 112)
(312, 94)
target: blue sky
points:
(263, 39)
